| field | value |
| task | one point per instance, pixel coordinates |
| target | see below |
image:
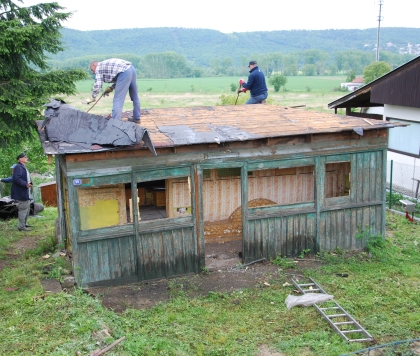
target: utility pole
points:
(381, 2)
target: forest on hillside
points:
(181, 52)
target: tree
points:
(309, 69)
(375, 70)
(278, 81)
(351, 75)
(26, 81)
(165, 65)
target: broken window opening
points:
(222, 204)
(103, 206)
(167, 198)
(281, 186)
(337, 179)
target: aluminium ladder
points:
(341, 321)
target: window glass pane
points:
(337, 179)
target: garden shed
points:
(281, 180)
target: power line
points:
(381, 2)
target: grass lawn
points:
(382, 291)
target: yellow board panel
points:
(102, 214)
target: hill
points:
(200, 46)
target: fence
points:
(402, 180)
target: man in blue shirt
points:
(9, 179)
(256, 84)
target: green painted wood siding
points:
(106, 260)
(338, 228)
(284, 235)
(332, 223)
(152, 255)
(167, 253)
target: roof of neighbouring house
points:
(357, 80)
(172, 127)
(397, 87)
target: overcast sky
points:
(238, 15)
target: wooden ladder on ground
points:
(341, 321)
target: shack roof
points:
(172, 127)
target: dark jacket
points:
(7, 180)
(19, 189)
(256, 82)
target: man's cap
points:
(252, 63)
(21, 155)
(13, 166)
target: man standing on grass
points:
(20, 191)
(256, 84)
(123, 76)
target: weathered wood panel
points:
(284, 235)
(367, 176)
(167, 253)
(106, 260)
(92, 164)
(338, 228)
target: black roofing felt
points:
(75, 130)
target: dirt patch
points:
(224, 273)
(266, 351)
(25, 244)
(149, 293)
(18, 248)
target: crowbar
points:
(238, 94)
(96, 102)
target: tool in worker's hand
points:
(95, 102)
(239, 91)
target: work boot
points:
(132, 119)
(23, 229)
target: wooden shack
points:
(48, 193)
(279, 179)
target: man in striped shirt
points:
(122, 75)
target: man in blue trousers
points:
(256, 84)
(122, 75)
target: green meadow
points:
(222, 84)
(312, 93)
